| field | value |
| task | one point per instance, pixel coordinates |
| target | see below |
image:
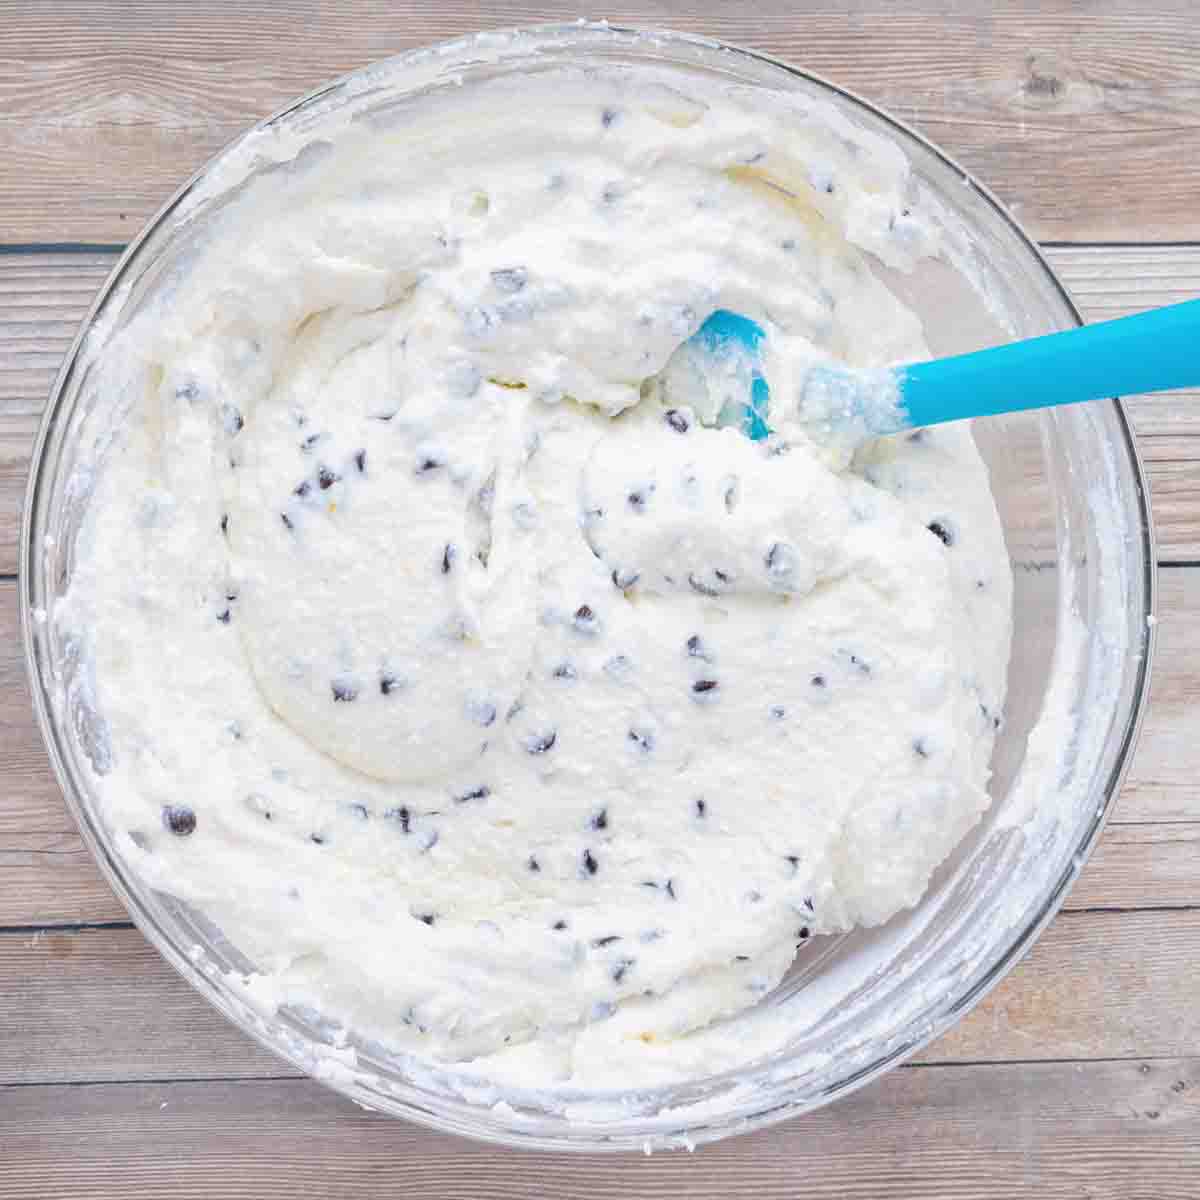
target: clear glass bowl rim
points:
(458, 1119)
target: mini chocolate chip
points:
(400, 814)
(428, 918)
(590, 865)
(808, 903)
(485, 498)
(601, 942)
(482, 712)
(722, 576)
(778, 712)
(670, 889)
(637, 501)
(179, 819)
(482, 792)
(225, 523)
(818, 681)
(619, 666)
(741, 958)
(559, 925)
(643, 739)
(565, 671)
(942, 532)
(599, 820)
(510, 279)
(802, 932)
(705, 589)
(429, 462)
(585, 620)
(317, 839)
(780, 560)
(621, 969)
(310, 441)
(514, 708)
(701, 807)
(917, 435)
(703, 686)
(677, 420)
(225, 616)
(360, 461)
(608, 117)
(358, 811)
(533, 864)
(231, 419)
(539, 743)
(390, 683)
(625, 577)
(732, 493)
(343, 692)
(921, 748)
(448, 556)
(696, 648)
(326, 478)
(793, 860)
(302, 488)
(287, 521)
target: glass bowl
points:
(1072, 499)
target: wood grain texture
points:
(1141, 866)
(1163, 783)
(100, 1004)
(1095, 1131)
(43, 297)
(1041, 99)
(1096, 985)
(48, 878)
(117, 1080)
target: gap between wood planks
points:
(44, 294)
(108, 107)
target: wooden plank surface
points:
(1043, 99)
(48, 878)
(1078, 1077)
(1081, 1131)
(81, 1006)
(44, 296)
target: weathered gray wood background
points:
(1079, 1077)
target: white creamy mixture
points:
(487, 697)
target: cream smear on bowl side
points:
(490, 700)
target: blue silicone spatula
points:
(1153, 351)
